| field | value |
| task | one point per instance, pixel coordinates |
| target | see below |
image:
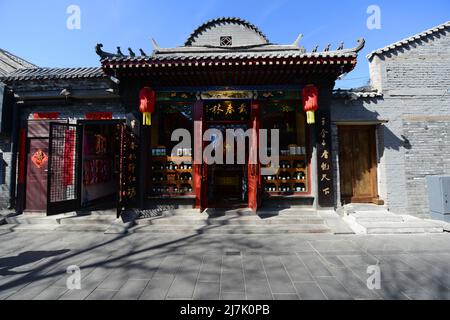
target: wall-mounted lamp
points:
(114, 79)
(65, 93)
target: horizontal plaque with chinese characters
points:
(227, 110)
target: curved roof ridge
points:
(409, 40)
(212, 22)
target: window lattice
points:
(226, 41)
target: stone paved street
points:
(149, 266)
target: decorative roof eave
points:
(213, 22)
(399, 44)
(304, 60)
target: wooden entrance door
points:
(37, 171)
(358, 164)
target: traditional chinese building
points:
(8, 150)
(83, 139)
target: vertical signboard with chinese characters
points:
(128, 184)
(324, 160)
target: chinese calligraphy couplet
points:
(325, 172)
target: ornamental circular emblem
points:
(39, 158)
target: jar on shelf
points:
(299, 164)
(300, 176)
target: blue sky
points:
(36, 30)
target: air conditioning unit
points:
(439, 197)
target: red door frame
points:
(200, 168)
(254, 167)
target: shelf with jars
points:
(172, 176)
(290, 177)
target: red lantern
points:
(310, 102)
(147, 98)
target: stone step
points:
(358, 207)
(29, 227)
(374, 216)
(400, 227)
(84, 227)
(305, 228)
(380, 219)
(176, 212)
(244, 212)
(88, 220)
(98, 212)
(33, 219)
(231, 221)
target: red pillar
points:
(254, 168)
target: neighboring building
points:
(408, 116)
(8, 63)
(83, 141)
(66, 97)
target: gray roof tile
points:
(357, 93)
(10, 63)
(54, 73)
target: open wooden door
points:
(63, 184)
(254, 168)
(358, 164)
(37, 169)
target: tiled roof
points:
(357, 93)
(10, 62)
(401, 43)
(54, 73)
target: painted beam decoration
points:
(324, 161)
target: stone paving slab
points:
(315, 265)
(309, 291)
(207, 291)
(131, 290)
(223, 267)
(99, 294)
(157, 288)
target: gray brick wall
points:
(415, 82)
(5, 150)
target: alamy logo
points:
(73, 282)
(74, 20)
(374, 20)
(214, 152)
(374, 280)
